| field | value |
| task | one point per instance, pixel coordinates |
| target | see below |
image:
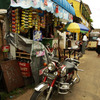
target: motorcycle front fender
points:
(41, 87)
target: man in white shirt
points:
(62, 42)
(84, 44)
(85, 38)
(98, 45)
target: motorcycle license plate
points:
(49, 76)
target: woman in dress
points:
(98, 45)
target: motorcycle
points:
(58, 77)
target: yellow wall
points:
(76, 6)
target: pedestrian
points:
(61, 37)
(98, 45)
(84, 44)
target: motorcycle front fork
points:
(50, 89)
(53, 82)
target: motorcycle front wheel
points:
(37, 95)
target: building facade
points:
(82, 12)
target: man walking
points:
(84, 44)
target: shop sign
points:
(37, 35)
(5, 48)
(40, 53)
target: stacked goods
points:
(26, 18)
(36, 22)
(24, 62)
(30, 18)
(15, 21)
(43, 22)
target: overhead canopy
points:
(77, 28)
(65, 10)
(65, 5)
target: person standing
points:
(98, 45)
(84, 44)
(61, 39)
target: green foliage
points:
(15, 93)
(91, 20)
(3, 95)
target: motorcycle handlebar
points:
(72, 59)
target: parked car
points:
(93, 40)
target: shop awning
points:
(65, 10)
(65, 5)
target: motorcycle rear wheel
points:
(37, 95)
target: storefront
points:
(35, 20)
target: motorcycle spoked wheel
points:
(37, 95)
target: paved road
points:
(89, 86)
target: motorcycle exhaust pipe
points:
(73, 82)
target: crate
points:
(26, 74)
(25, 69)
(24, 66)
(23, 55)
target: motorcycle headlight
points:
(51, 66)
(55, 73)
(63, 71)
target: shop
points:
(31, 24)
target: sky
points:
(94, 6)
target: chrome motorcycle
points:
(57, 78)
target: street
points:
(89, 86)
